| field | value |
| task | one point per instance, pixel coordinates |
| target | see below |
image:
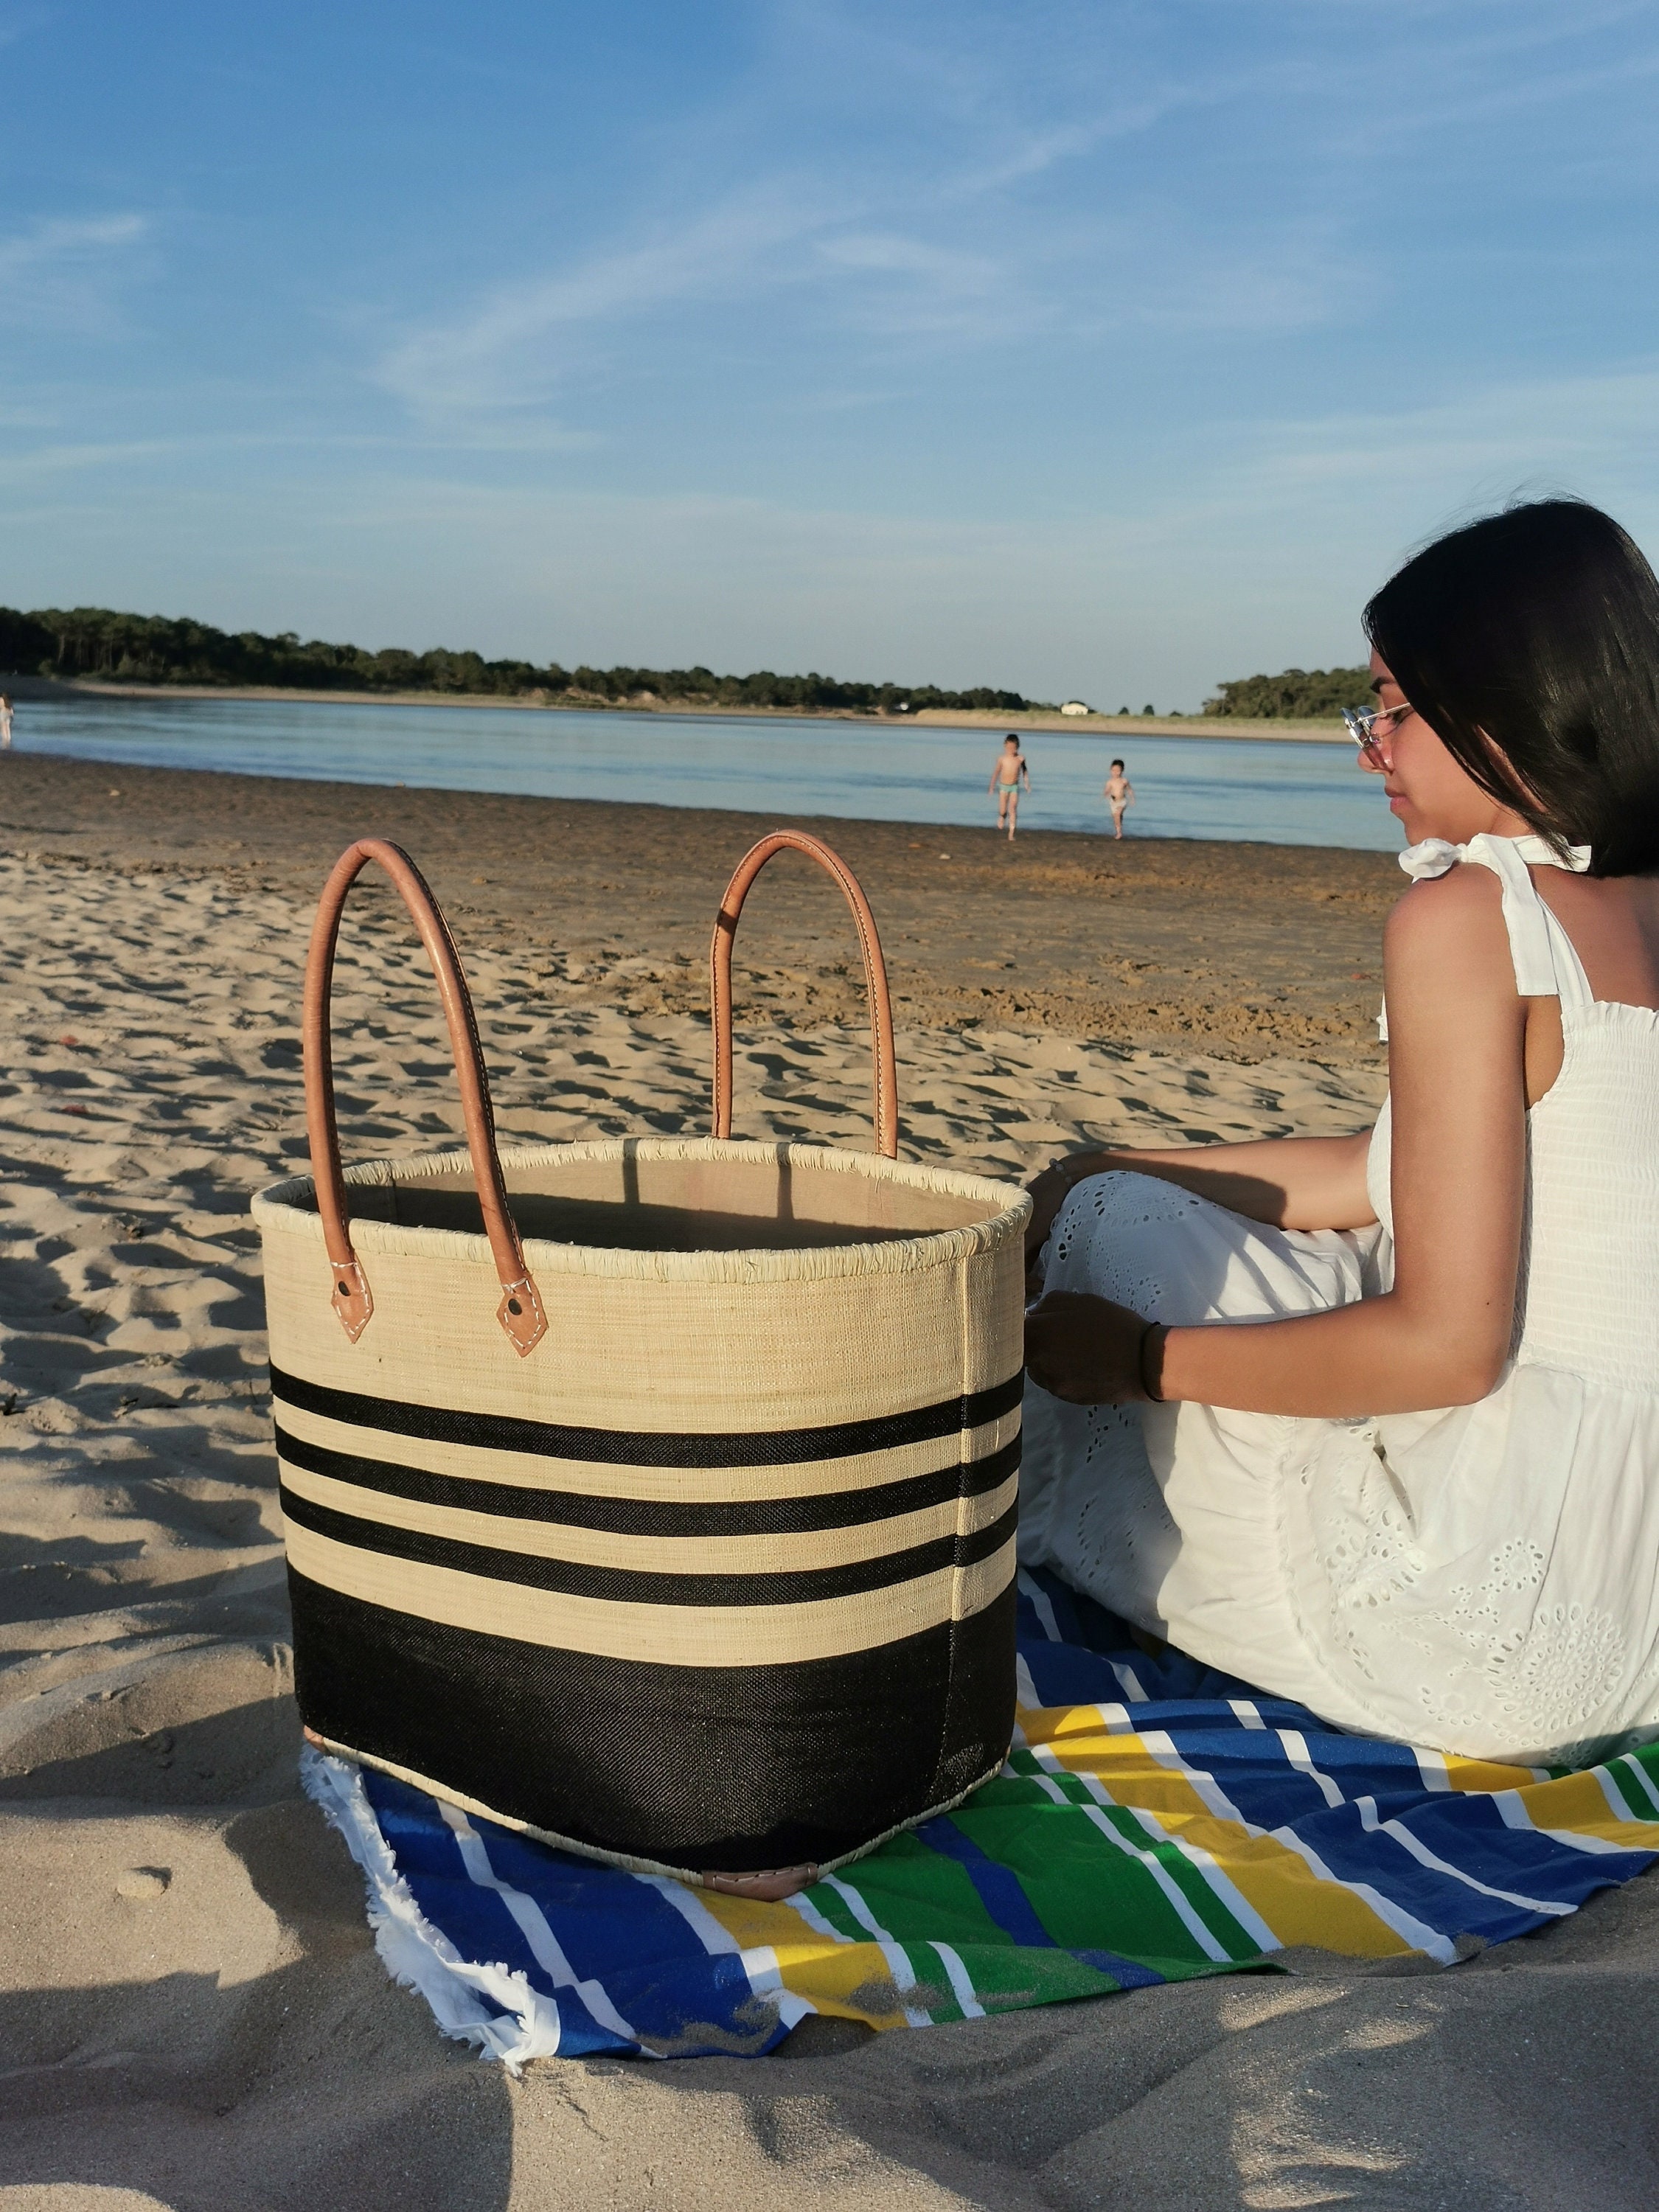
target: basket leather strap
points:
(875, 979)
(520, 1312)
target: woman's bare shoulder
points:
(1441, 906)
(1448, 933)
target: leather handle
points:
(875, 979)
(520, 1312)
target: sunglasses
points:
(1371, 730)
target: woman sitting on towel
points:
(1373, 1421)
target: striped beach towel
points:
(1155, 1820)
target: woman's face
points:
(1427, 789)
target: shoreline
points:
(1265, 731)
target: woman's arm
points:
(1291, 1182)
(1441, 1335)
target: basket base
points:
(770, 1888)
(734, 1770)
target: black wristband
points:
(1155, 1396)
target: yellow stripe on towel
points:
(838, 1979)
(1299, 1904)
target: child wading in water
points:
(1010, 771)
(1120, 793)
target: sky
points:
(1104, 349)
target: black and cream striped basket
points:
(654, 1497)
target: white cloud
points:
(1478, 445)
(908, 287)
(67, 459)
(1294, 276)
(891, 256)
(510, 348)
(63, 273)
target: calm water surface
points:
(1225, 788)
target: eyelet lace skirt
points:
(1478, 1579)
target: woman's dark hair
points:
(1529, 644)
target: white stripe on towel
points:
(545, 1945)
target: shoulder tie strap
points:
(1532, 947)
(1536, 938)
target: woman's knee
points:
(1139, 1241)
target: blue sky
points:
(1086, 347)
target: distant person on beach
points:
(1120, 794)
(1010, 771)
(5, 723)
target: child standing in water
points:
(1120, 794)
(1007, 774)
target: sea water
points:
(1288, 793)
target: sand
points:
(191, 2014)
(1250, 951)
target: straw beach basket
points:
(654, 1497)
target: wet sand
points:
(191, 2014)
(1247, 951)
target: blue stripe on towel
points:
(614, 1928)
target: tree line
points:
(125, 649)
(1305, 695)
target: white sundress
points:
(1482, 1579)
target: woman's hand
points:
(1085, 1350)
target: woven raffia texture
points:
(719, 1575)
(1155, 1821)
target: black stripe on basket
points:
(657, 1516)
(630, 1586)
(650, 1447)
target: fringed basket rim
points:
(288, 1207)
